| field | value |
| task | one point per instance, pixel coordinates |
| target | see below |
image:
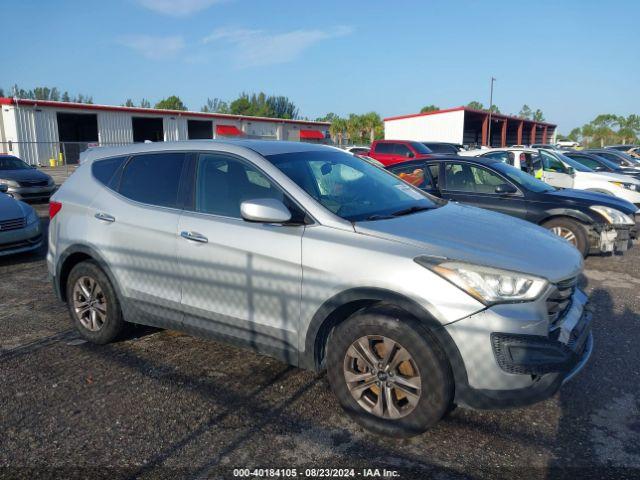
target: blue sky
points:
(573, 59)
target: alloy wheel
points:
(382, 376)
(89, 303)
(565, 233)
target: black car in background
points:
(598, 163)
(443, 148)
(592, 222)
(622, 159)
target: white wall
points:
(437, 127)
(115, 128)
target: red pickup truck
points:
(389, 152)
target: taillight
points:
(54, 208)
(523, 157)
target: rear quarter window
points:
(105, 170)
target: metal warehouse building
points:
(467, 126)
(38, 131)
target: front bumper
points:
(32, 193)
(21, 240)
(530, 361)
(609, 239)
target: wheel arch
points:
(571, 214)
(341, 306)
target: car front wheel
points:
(573, 232)
(388, 372)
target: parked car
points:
(23, 181)
(20, 229)
(592, 222)
(393, 151)
(314, 256)
(357, 150)
(621, 159)
(621, 148)
(634, 152)
(444, 148)
(548, 146)
(601, 164)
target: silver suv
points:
(323, 260)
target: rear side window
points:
(153, 178)
(442, 148)
(384, 148)
(403, 150)
(104, 170)
(416, 175)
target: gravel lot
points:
(162, 404)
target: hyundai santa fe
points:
(411, 303)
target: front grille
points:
(14, 224)
(559, 300)
(24, 243)
(37, 183)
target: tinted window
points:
(522, 179)
(587, 162)
(402, 150)
(434, 168)
(442, 148)
(384, 148)
(464, 177)
(420, 148)
(416, 175)
(223, 183)
(153, 178)
(551, 163)
(104, 170)
(12, 163)
(501, 156)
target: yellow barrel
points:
(52, 162)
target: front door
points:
(554, 171)
(241, 280)
(475, 185)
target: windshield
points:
(12, 163)
(607, 163)
(420, 148)
(350, 188)
(577, 166)
(522, 179)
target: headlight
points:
(50, 182)
(613, 216)
(9, 183)
(628, 186)
(32, 217)
(486, 284)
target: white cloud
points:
(177, 8)
(152, 47)
(252, 48)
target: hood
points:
(616, 177)
(11, 208)
(473, 235)
(24, 175)
(583, 198)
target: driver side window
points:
(462, 177)
(552, 164)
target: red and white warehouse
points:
(37, 130)
(467, 126)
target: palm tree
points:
(628, 128)
(337, 129)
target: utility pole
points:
(490, 109)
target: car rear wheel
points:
(388, 372)
(570, 230)
(93, 304)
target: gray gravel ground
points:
(159, 404)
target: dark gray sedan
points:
(20, 229)
(23, 181)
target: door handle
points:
(105, 217)
(194, 237)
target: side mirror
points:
(4, 188)
(505, 189)
(571, 171)
(265, 210)
(409, 154)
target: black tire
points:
(578, 230)
(437, 385)
(113, 324)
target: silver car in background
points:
(20, 229)
(23, 181)
(320, 259)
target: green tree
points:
(1, 92)
(144, 103)
(628, 128)
(525, 112)
(215, 105)
(429, 108)
(337, 129)
(495, 109)
(282, 107)
(66, 97)
(575, 135)
(475, 105)
(538, 116)
(129, 103)
(171, 103)
(241, 106)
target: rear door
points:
(134, 227)
(418, 175)
(241, 280)
(475, 185)
(554, 171)
(384, 152)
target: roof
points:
(263, 147)
(470, 110)
(148, 111)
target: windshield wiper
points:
(410, 210)
(377, 217)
